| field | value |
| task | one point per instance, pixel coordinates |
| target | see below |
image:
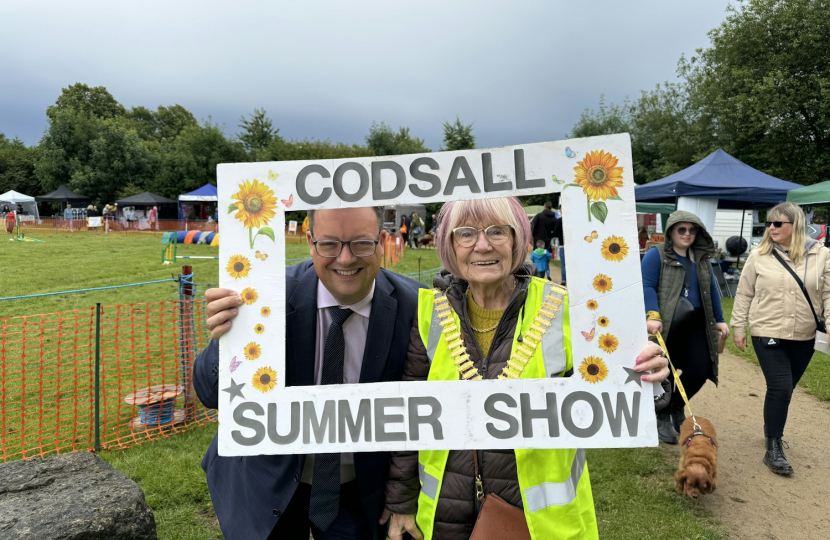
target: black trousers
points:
(783, 362)
(689, 351)
(350, 523)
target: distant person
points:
(559, 237)
(417, 230)
(153, 218)
(67, 217)
(106, 213)
(404, 230)
(541, 258)
(541, 226)
(683, 304)
(782, 310)
(9, 220)
(91, 214)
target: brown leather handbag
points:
(497, 519)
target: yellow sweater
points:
(483, 319)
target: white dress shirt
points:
(355, 330)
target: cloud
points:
(522, 71)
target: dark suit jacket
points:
(250, 493)
(542, 227)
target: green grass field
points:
(633, 488)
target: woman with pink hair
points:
(488, 318)
(153, 218)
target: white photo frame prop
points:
(603, 405)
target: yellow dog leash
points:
(677, 379)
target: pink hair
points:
(483, 213)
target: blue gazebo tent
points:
(718, 176)
(205, 194)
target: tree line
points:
(760, 91)
(96, 146)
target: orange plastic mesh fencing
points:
(46, 383)
(81, 226)
(47, 377)
(393, 247)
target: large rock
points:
(74, 496)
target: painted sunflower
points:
(255, 204)
(599, 175)
(259, 329)
(592, 305)
(608, 343)
(249, 296)
(265, 379)
(603, 283)
(265, 311)
(614, 249)
(238, 267)
(603, 321)
(252, 351)
(593, 369)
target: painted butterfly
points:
(260, 256)
(558, 181)
(272, 175)
(288, 202)
(569, 153)
(235, 364)
(589, 335)
(591, 237)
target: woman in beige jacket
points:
(772, 303)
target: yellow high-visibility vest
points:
(555, 485)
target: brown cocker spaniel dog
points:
(698, 470)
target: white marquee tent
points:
(13, 198)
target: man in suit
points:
(270, 497)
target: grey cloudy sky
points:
(522, 70)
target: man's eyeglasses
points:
(468, 236)
(332, 248)
(776, 224)
(683, 230)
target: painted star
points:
(234, 390)
(633, 376)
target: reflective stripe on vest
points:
(434, 334)
(556, 493)
(553, 342)
(429, 483)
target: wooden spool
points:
(152, 395)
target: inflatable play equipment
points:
(173, 238)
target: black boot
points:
(775, 458)
(665, 431)
(678, 415)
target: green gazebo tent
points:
(811, 195)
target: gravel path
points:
(750, 501)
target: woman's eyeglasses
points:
(683, 230)
(776, 224)
(467, 236)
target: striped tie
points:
(325, 483)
